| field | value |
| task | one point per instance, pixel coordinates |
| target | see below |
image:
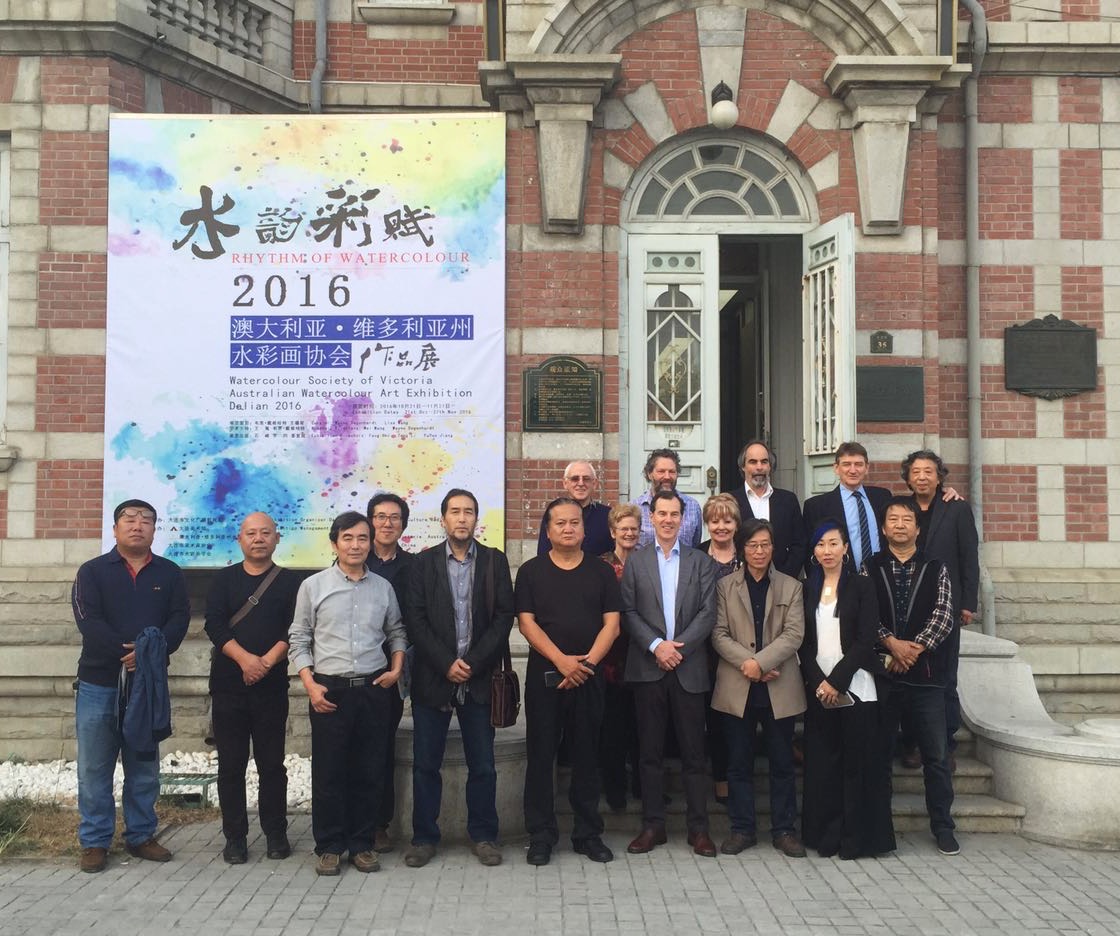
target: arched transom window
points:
(720, 180)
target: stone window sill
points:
(405, 14)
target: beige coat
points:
(734, 641)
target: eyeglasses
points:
(143, 516)
(391, 519)
(758, 547)
(586, 479)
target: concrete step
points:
(973, 812)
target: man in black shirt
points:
(388, 515)
(248, 613)
(568, 608)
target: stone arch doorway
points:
(715, 231)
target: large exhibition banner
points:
(303, 311)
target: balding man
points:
(248, 612)
(581, 484)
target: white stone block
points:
(1043, 555)
(1049, 424)
(1044, 99)
(646, 105)
(616, 172)
(77, 341)
(1026, 451)
(580, 341)
(562, 445)
(1051, 477)
(72, 118)
(1084, 136)
(1036, 136)
(825, 173)
(1052, 528)
(794, 106)
(1048, 298)
(75, 445)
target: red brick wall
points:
(73, 178)
(950, 194)
(3, 514)
(126, 87)
(9, 69)
(1081, 9)
(71, 290)
(1005, 99)
(180, 100)
(1086, 497)
(356, 57)
(70, 393)
(1005, 413)
(952, 401)
(67, 80)
(1010, 503)
(951, 311)
(1006, 298)
(667, 52)
(890, 290)
(1006, 194)
(1080, 173)
(563, 288)
(1079, 99)
(68, 498)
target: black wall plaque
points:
(1050, 358)
(882, 342)
(562, 395)
(890, 394)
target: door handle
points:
(713, 479)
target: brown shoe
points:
(150, 850)
(789, 845)
(912, 758)
(487, 853)
(365, 861)
(648, 839)
(702, 844)
(382, 844)
(737, 842)
(327, 864)
(416, 856)
(94, 860)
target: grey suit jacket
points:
(643, 617)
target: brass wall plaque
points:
(562, 395)
(1050, 358)
(890, 394)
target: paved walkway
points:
(998, 884)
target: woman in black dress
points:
(847, 792)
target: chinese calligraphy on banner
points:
(303, 311)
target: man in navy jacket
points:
(115, 597)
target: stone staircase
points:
(975, 807)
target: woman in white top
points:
(846, 808)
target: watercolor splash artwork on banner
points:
(304, 311)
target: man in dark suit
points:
(946, 531)
(668, 604)
(858, 506)
(757, 498)
(459, 615)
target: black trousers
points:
(657, 703)
(387, 804)
(578, 715)
(347, 775)
(259, 717)
(618, 742)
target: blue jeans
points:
(99, 743)
(778, 733)
(429, 739)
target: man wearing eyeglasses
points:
(581, 484)
(115, 598)
(388, 515)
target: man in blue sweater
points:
(115, 597)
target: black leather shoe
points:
(540, 853)
(278, 845)
(593, 848)
(236, 851)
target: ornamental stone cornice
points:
(1051, 48)
(883, 94)
(557, 94)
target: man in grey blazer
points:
(667, 666)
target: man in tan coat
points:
(759, 626)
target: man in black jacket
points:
(247, 620)
(946, 531)
(759, 499)
(459, 615)
(915, 620)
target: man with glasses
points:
(581, 484)
(116, 597)
(388, 515)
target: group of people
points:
(665, 642)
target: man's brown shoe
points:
(327, 864)
(738, 842)
(702, 844)
(365, 861)
(382, 844)
(150, 850)
(94, 860)
(648, 839)
(789, 845)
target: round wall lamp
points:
(724, 112)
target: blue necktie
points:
(864, 529)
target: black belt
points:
(347, 682)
